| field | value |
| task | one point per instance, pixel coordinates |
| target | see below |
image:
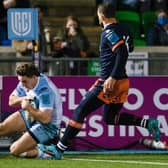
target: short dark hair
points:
(107, 9)
(27, 69)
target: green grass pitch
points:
(89, 161)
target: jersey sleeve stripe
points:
(117, 44)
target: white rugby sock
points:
(43, 155)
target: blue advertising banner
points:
(22, 24)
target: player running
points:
(111, 89)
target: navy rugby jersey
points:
(115, 44)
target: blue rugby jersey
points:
(115, 44)
(46, 97)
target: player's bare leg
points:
(23, 144)
(27, 147)
(33, 153)
(36, 153)
(13, 123)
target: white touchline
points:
(123, 161)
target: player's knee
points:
(14, 150)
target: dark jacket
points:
(157, 36)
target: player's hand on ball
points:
(25, 103)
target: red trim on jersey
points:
(117, 44)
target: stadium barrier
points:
(139, 64)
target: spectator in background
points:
(59, 50)
(158, 34)
(4, 6)
(75, 42)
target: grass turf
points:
(89, 161)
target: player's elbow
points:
(10, 103)
(14, 149)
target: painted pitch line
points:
(123, 161)
(119, 152)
